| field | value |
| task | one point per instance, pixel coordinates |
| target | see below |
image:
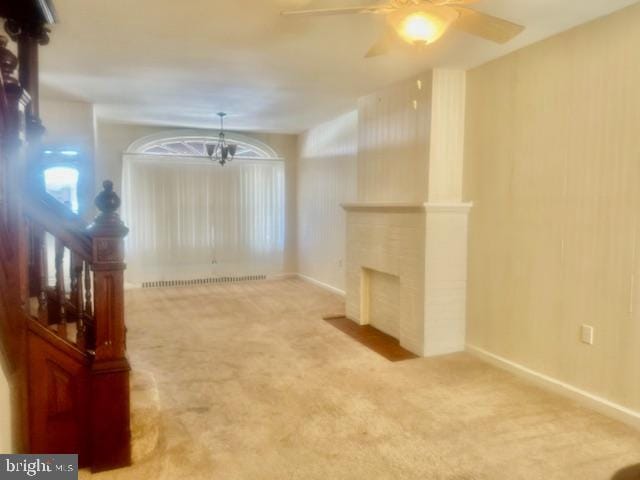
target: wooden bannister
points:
(62, 323)
(92, 307)
(59, 221)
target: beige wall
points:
(5, 415)
(326, 178)
(71, 124)
(112, 139)
(68, 124)
(446, 139)
(553, 168)
(393, 142)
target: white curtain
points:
(190, 218)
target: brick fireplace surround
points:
(406, 272)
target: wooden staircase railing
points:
(79, 311)
(63, 333)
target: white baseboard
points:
(602, 405)
(282, 276)
(322, 285)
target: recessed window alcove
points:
(193, 219)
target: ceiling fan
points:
(423, 22)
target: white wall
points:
(326, 178)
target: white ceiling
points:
(177, 62)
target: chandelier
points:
(221, 152)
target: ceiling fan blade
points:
(387, 42)
(486, 26)
(339, 11)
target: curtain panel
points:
(190, 218)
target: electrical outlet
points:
(587, 334)
(340, 263)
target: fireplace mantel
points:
(384, 206)
(409, 207)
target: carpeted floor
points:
(245, 381)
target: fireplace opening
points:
(381, 301)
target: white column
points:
(446, 219)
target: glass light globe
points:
(423, 25)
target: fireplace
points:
(385, 270)
(406, 272)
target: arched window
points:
(191, 218)
(193, 144)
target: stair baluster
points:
(60, 290)
(88, 298)
(77, 266)
(44, 282)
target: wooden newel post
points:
(109, 412)
(13, 165)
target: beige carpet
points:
(252, 384)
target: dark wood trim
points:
(13, 351)
(110, 414)
(62, 223)
(110, 430)
(58, 399)
(32, 11)
(57, 342)
(13, 336)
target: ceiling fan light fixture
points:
(423, 25)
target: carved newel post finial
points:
(108, 204)
(107, 201)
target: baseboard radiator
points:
(203, 281)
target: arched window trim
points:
(249, 148)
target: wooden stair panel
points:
(59, 389)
